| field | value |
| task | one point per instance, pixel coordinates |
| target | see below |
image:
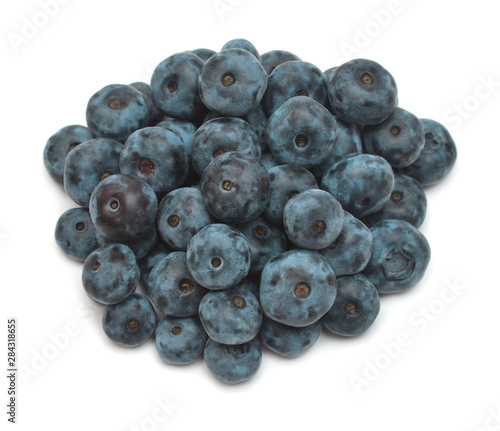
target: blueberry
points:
(271, 59)
(362, 92)
(231, 316)
(287, 340)
(130, 322)
(75, 234)
(180, 340)
(88, 164)
(155, 116)
(297, 288)
(351, 251)
(362, 183)
(399, 139)
(157, 156)
(356, 307)
(141, 245)
(184, 129)
(116, 111)
(181, 215)
(313, 219)
(123, 207)
(172, 289)
(268, 161)
(286, 181)
(251, 284)
(242, 44)
(302, 132)
(110, 274)
(294, 78)
(408, 202)
(233, 364)
(232, 82)
(203, 53)
(160, 251)
(400, 256)
(265, 241)
(235, 187)
(220, 136)
(437, 158)
(329, 72)
(348, 142)
(175, 86)
(218, 257)
(58, 147)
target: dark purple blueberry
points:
(235, 187)
(203, 53)
(150, 260)
(123, 207)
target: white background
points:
(441, 55)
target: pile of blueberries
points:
(254, 197)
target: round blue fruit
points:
(180, 340)
(218, 257)
(356, 307)
(297, 288)
(313, 219)
(130, 322)
(400, 256)
(232, 82)
(110, 274)
(233, 364)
